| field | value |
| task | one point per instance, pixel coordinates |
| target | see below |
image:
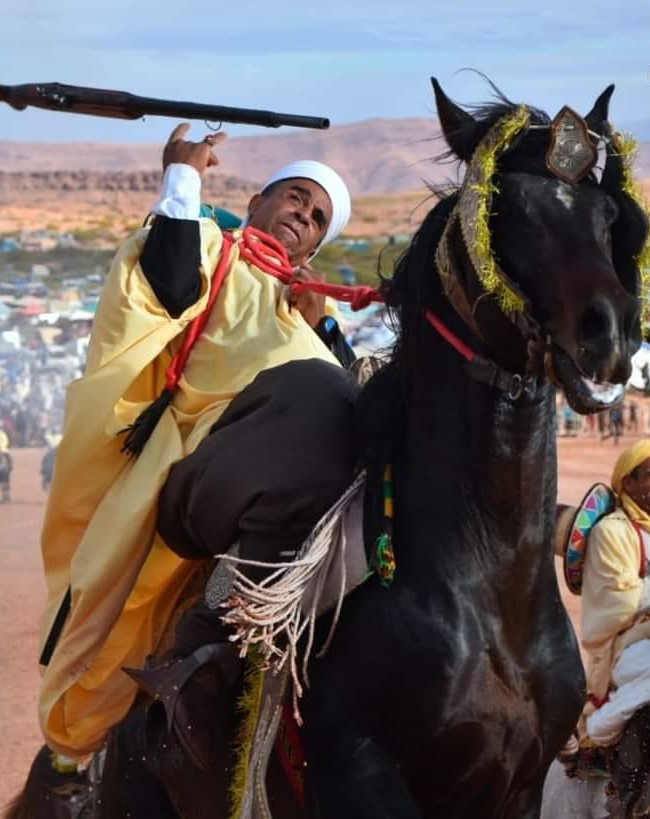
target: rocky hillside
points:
(33, 183)
(377, 156)
(387, 164)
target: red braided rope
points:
(266, 253)
(178, 362)
(357, 297)
(270, 256)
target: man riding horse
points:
(448, 692)
(188, 320)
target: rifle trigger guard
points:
(211, 126)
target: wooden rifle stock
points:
(97, 102)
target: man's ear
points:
(253, 203)
(628, 485)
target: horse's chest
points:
(499, 697)
(488, 731)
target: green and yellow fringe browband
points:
(486, 160)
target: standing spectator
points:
(615, 725)
(20, 425)
(602, 426)
(616, 425)
(633, 417)
(4, 439)
(590, 425)
(568, 420)
(6, 465)
(47, 464)
(47, 468)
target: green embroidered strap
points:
(385, 559)
(382, 560)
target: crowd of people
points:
(33, 385)
(630, 418)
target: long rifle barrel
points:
(97, 102)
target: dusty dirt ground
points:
(582, 461)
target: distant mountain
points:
(377, 156)
(102, 188)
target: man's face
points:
(637, 485)
(297, 212)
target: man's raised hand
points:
(199, 155)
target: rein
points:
(270, 256)
(484, 369)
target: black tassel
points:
(139, 432)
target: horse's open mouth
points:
(584, 395)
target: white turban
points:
(329, 181)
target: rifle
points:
(75, 99)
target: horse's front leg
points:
(527, 803)
(353, 777)
(129, 786)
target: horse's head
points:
(560, 249)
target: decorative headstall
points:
(571, 155)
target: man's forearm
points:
(171, 255)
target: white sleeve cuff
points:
(180, 197)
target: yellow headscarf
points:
(627, 461)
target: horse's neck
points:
(474, 459)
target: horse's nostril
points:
(596, 325)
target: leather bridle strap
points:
(483, 369)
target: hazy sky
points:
(345, 59)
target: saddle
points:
(331, 563)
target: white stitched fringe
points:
(271, 614)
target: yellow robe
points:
(613, 615)
(99, 532)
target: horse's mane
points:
(415, 284)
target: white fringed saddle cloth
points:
(269, 619)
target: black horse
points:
(449, 693)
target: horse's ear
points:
(596, 119)
(458, 127)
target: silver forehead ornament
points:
(571, 154)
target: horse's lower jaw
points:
(584, 395)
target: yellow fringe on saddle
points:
(486, 160)
(626, 146)
(249, 707)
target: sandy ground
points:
(22, 589)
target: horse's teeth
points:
(604, 393)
